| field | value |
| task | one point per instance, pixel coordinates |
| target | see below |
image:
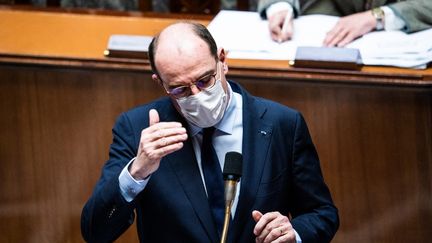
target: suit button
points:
(112, 212)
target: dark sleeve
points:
(106, 215)
(417, 14)
(314, 216)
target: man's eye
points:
(178, 90)
(203, 82)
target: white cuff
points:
(277, 7)
(129, 187)
(298, 239)
(391, 21)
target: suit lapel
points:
(185, 166)
(189, 177)
(256, 141)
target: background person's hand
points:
(281, 29)
(157, 140)
(349, 28)
(273, 227)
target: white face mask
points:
(206, 108)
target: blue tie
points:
(213, 177)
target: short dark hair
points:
(199, 29)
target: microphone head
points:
(233, 166)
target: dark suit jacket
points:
(281, 172)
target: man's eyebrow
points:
(204, 75)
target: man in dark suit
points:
(155, 169)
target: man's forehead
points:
(181, 46)
(179, 49)
(177, 32)
(180, 36)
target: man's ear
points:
(222, 58)
(221, 54)
(156, 78)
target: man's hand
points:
(349, 28)
(158, 140)
(281, 29)
(273, 227)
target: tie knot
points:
(208, 132)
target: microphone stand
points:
(231, 174)
(229, 198)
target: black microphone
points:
(231, 174)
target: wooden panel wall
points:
(56, 129)
(374, 143)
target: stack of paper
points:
(396, 48)
(246, 36)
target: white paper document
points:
(396, 48)
(246, 36)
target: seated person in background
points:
(121, 5)
(158, 168)
(118, 5)
(161, 6)
(357, 17)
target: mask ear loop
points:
(224, 68)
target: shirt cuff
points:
(277, 7)
(129, 187)
(391, 21)
(298, 239)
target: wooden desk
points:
(59, 97)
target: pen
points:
(286, 24)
